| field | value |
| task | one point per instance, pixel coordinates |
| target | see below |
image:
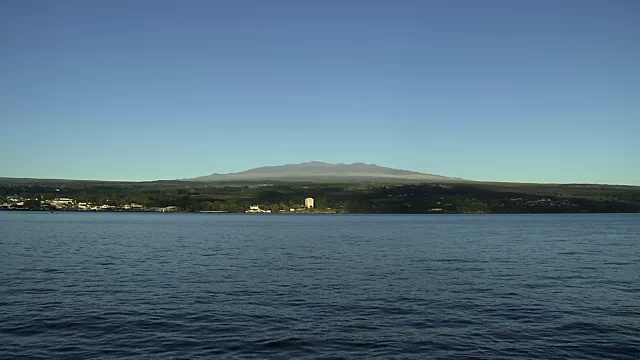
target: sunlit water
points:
(83, 285)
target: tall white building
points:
(308, 203)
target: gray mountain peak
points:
(322, 171)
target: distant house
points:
(309, 203)
(256, 209)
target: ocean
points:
(175, 285)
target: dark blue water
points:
(89, 285)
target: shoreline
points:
(305, 213)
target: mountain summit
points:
(321, 171)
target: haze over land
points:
(320, 171)
(313, 171)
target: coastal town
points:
(309, 204)
(69, 204)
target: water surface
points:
(90, 285)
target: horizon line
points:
(462, 181)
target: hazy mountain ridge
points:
(321, 171)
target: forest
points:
(234, 197)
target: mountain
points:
(321, 171)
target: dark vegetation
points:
(342, 198)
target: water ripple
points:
(190, 286)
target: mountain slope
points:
(321, 171)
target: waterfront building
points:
(309, 203)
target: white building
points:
(308, 203)
(256, 209)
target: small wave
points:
(286, 343)
(460, 261)
(583, 327)
(30, 291)
(52, 270)
(106, 263)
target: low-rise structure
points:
(62, 202)
(256, 209)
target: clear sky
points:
(532, 91)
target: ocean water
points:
(95, 285)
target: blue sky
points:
(531, 91)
